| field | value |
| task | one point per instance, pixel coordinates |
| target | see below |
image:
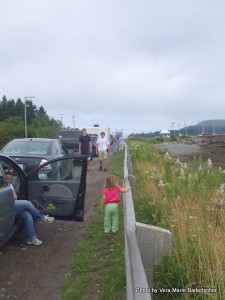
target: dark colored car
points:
(32, 152)
(94, 138)
(70, 139)
(63, 197)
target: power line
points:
(7, 91)
(12, 81)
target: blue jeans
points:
(25, 211)
(115, 147)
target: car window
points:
(2, 179)
(61, 170)
(69, 134)
(58, 148)
(16, 181)
(30, 147)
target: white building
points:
(165, 133)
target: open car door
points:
(58, 188)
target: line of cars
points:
(44, 173)
(70, 139)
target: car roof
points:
(34, 139)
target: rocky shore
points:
(187, 151)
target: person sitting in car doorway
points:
(28, 213)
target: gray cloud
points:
(122, 64)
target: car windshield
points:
(28, 147)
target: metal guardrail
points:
(145, 245)
(136, 281)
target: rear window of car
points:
(94, 137)
(28, 147)
(69, 134)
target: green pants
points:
(111, 214)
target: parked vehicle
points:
(32, 152)
(94, 138)
(96, 130)
(70, 139)
(63, 197)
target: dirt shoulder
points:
(29, 272)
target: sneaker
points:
(100, 168)
(48, 219)
(105, 170)
(35, 242)
(106, 231)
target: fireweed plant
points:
(189, 200)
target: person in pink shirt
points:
(111, 199)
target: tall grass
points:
(189, 200)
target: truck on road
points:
(96, 130)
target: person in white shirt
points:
(102, 146)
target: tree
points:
(20, 107)
(31, 111)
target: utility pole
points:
(213, 128)
(25, 113)
(185, 127)
(61, 117)
(73, 116)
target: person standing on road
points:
(28, 213)
(115, 144)
(102, 146)
(85, 146)
(121, 142)
(111, 199)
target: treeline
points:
(12, 121)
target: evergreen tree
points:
(20, 108)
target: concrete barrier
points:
(153, 242)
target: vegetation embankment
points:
(189, 200)
(12, 126)
(98, 266)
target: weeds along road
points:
(36, 272)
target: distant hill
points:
(204, 127)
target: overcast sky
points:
(135, 65)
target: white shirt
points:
(102, 144)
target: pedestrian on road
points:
(115, 144)
(102, 149)
(111, 199)
(28, 213)
(121, 142)
(85, 145)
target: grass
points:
(189, 200)
(98, 266)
